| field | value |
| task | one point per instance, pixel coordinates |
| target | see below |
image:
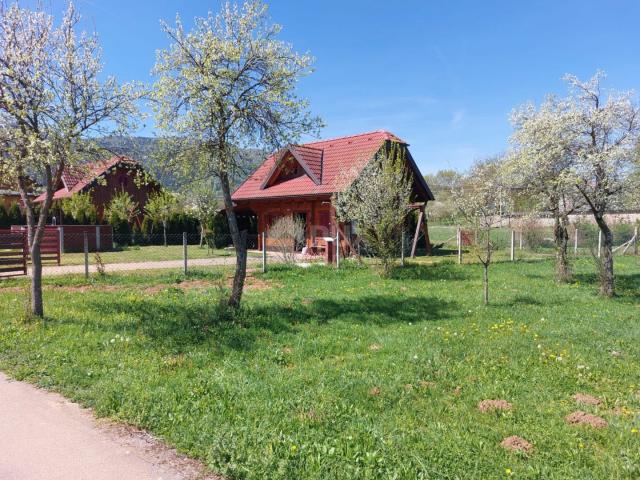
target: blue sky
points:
(443, 75)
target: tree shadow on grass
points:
(627, 286)
(177, 322)
(440, 271)
(379, 310)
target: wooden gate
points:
(50, 244)
(13, 254)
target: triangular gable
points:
(309, 160)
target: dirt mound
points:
(584, 418)
(515, 443)
(586, 399)
(490, 405)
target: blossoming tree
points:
(481, 198)
(229, 84)
(540, 165)
(53, 102)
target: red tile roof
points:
(327, 159)
(77, 178)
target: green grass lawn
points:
(331, 374)
(150, 253)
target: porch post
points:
(416, 235)
(425, 229)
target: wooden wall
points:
(320, 215)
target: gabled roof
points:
(310, 159)
(77, 178)
(326, 159)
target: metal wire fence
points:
(530, 242)
(89, 253)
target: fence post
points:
(184, 250)
(599, 243)
(97, 238)
(520, 238)
(61, 233)
(635, 241)
(264, 252)
(86, 255)
(402, 248)
(513, 245)
(459, 237)
(337, 248)
(575, 242)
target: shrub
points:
(285, 234)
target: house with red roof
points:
(301, 179)
(103, 179)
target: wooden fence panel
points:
(50, 244)
(13, 254)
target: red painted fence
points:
(13, 253)
(50, 245)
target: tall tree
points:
(604, 132)
(378, 200)
(540, 164)
(53, 101)
(228, 84)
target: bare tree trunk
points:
(35, 232)
(239, 242)
(201, 234)
(485, 265)
(485, 282)
(607, 287)
(561, 238)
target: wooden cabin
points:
(301, 179)
(103, 179)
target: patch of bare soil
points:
(12, 289)
(586, 399)
(161, 454)
(253, 283)
(457, 391)
(375, 391)
(374, 347)
(515, 443)
(584, 418)
(85, 288)
(491, 405)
